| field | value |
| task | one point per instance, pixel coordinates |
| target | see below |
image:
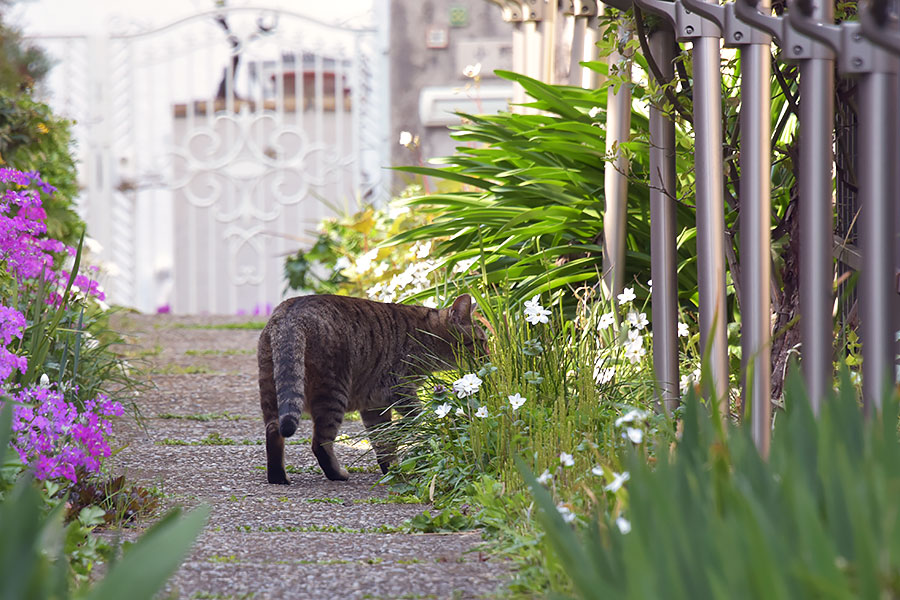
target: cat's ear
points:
(461, 311)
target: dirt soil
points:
(202, 443)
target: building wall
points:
(423, 72)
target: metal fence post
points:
(756, 209)
(756, 236)
(709, 182)
(662, 230)
(533, 26)
(876, 180)
(615, 181)
(882, 26)
(584, 41)
(816, 158)
(511, 11)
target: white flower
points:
(634, 335)
(534, 312)
(626, 296)
(634, 349)
(472, 70)
(634, 354)
(381, 268)
(566, 459)
(623, 524)
(45, 381)
(442, 410)
(545, 477)
(855, 379)
(687, 380)
(482, 412)
(460, 412)
(90, 341)
(566, 513)
(618, 481)
(638, 321)
(406, 138)
(364, 262)
(395, 210)
(603, 376)
(631, 416)
(342, 263)
(597, 470)
(650, 285)
(683, 330)
(401, 280)
(467, 385)
(635, 435)
(382, 293)
(606, 320)
(516, 401)
(594, 112)
(464, 265)
(421, 250)
(430, 302)
(92, 245)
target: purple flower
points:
(55, 439)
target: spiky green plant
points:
(714, 519)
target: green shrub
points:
(32, 138)
(349, 257)
(713, 519)
(532, 204)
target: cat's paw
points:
(340, 475)
(279, 478)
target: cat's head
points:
(463, 326)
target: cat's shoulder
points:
(327, 303)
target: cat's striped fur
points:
(327, 355)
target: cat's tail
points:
(288, 347)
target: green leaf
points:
(148, 564)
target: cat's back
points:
(328, 309)
(332, 318)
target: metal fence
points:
(865, 50)
(212, 146)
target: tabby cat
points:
(327, 355)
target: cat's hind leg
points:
(268, 401)
(376, 421)
(327, 413)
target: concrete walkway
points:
(203, 443)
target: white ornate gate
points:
(212, 146)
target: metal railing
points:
(867, 50)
